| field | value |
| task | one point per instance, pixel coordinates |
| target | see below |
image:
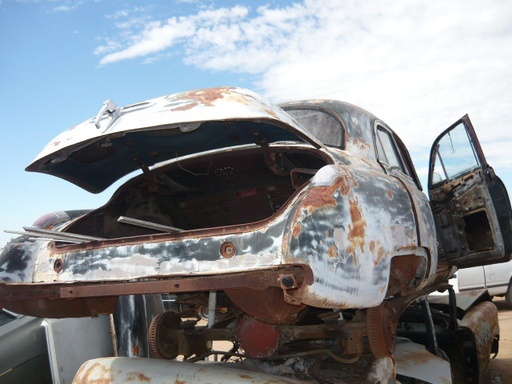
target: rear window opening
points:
(324, 126)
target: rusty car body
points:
(302, 227)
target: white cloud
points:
(157, 36)
(65, 6)
(418, 64)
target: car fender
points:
(328, 230)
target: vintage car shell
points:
(347, 263)
(302, 228)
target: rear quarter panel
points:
(348, 232)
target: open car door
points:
(470, 203)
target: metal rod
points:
(51, 235)
(43, 237)
(147, 224)
(63, 235)
(212, 305)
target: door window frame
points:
(405, 165)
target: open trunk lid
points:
(120, 140)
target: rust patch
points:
(378, 251)
(389, 194)
(317, 198)
(297, 229)
(361, 143)
(201, 97)
(380, 254)
(405, 271)
(186, 107)
(344, 187)
(357, 230)
(96, 373)
(139, 376)
(320, 197)
(381, 328)
(267, 304)
(333, 251)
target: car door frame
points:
(471, 207)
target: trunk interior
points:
(232, 187)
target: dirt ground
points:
(502, 364)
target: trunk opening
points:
(218, 189)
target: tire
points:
(508, 295)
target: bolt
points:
(228, 249)
(58, 265)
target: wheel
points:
(508, 295)
(162, 346)
(203, 311)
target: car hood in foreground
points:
(101, 150)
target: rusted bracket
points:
(286, 283)
(255, 279)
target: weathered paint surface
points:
(118, 370)
(349, 231)
(183, 256)
(196, 106)
(78, 154)
(413, 360)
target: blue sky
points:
(419, 65)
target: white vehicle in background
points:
(496, 278)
